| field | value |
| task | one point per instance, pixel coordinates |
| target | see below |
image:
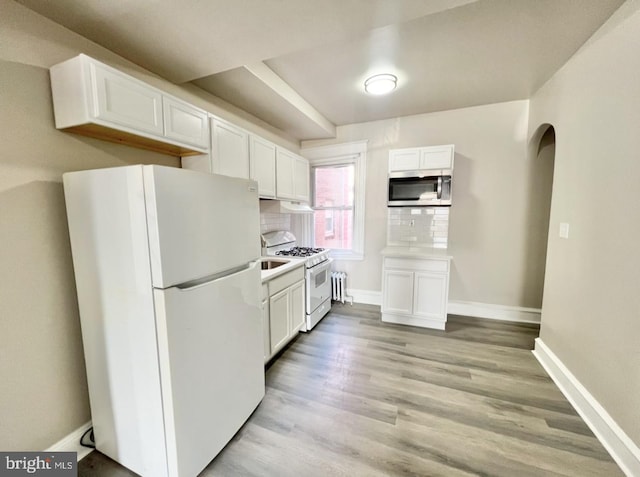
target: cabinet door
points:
(430, 295)
(301, 179)
(185, 123)
(285, 165)
(279, 317)
(266, 332)
(438, 157)
(230, 150)
(125, 102)
(397, 292)
(404, 159)
(297, 307)
(262, 162)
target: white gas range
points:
(317, 275)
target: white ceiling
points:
(300, 64)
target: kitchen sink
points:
(271, 264)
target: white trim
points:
(477, 310)
(351, 152)
(71, 443)
(366, 297)
(335, 150)
(613, 438)
(494, 312)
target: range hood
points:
(284, 207)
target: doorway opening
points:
(543, 152)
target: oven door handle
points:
(313, 271)
(439, 193)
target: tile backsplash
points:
(418, 227)
(270, 222)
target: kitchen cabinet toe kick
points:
(414, 321)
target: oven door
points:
(318, 283)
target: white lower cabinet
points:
(279, 317)
(297, 308)
(430, 291)
(285, 311)
(415, 291)
(398, 291)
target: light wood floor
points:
(358, 397)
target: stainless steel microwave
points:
(420, 188)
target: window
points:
(332, 202)
(329, 231)
(337, 198)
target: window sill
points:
(346, 255)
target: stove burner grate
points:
(300, 251)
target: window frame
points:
(335, 155)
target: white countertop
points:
(292, 264)
(417, 252)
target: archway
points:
(542, 154)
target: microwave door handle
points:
(439, 192)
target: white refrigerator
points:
(168, 284)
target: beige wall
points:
(591, 310)
(495, 233)
(43, 395)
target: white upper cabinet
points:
(404, 159)
(229, 149)
(420, 158)
(262, 165)
(285, 167)
(184, 123)
(292, 176)
(436, 157)
(93, 99)
(301, 179)
(123, 101)
(280, 173)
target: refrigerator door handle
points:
(204, 281)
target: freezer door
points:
(211, 365)
(199, 224)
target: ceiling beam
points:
(270, 79)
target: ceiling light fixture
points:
(380, 84)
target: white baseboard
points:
(494, 312)
(71, 443)
(464, 308)
(366, 297)
(623, 450)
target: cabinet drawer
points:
(427, 265)
(286, 280)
